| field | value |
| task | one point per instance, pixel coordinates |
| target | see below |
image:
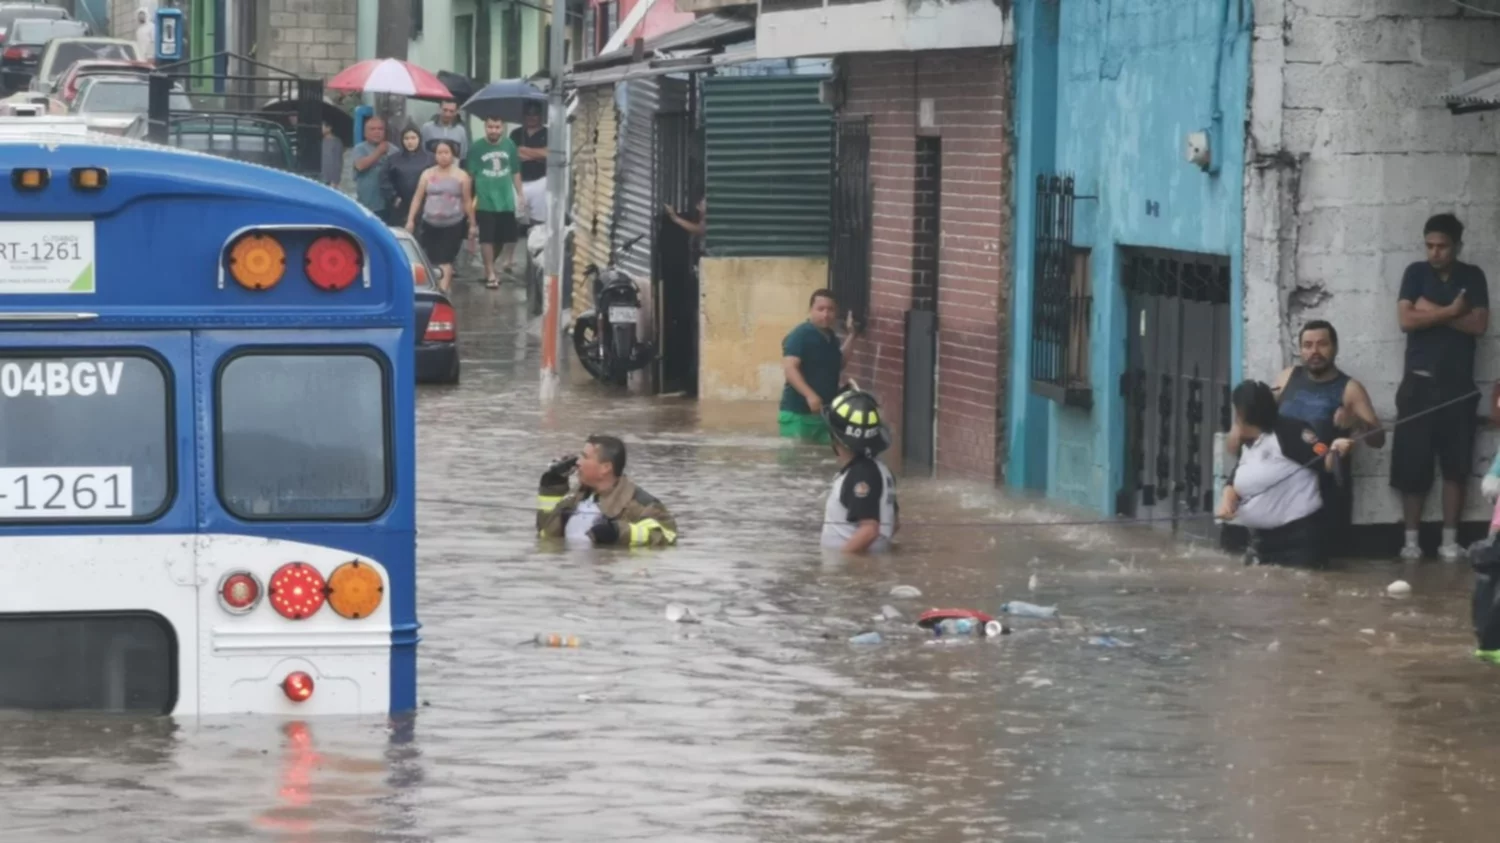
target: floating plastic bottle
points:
(543, 639)
(866, 638)
(1022, 609)
(953, 627)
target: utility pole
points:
(392, 38)
(557, 181)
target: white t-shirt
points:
(1274, 482)
(582, 520)
(863, 491)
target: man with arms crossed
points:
(1444, 306)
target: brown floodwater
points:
(1246, 703)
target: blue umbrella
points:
(504, 100)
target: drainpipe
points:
(1215, 109)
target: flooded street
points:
(1246, 703)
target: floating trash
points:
(866, 638)
(1399, 588)
(678, 613)
(906, 592)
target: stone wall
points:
(1349, 150)
(313, 37)
(970, 94)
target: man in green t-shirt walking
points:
(495, 165)
(813, 360)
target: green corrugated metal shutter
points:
(769, 149)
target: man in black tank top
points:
(1336, 406)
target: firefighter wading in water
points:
(608, 508)
(861, 513)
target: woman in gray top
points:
(445, 199)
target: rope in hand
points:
(992, 524)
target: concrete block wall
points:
(312, 37)
(971, 96)
(1349, 150)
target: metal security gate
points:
(849, 247)
(1176, 384)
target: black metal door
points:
(674, 265)
(1176, 384)
(849, 249)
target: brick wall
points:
(970, 90)
(1350, 150)
(313, 37)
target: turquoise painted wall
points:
(1109, 90)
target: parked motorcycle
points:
(604, 336)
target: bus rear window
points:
(84, 437)
(303, 436)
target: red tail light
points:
(333, 262)
(239, 592)
(297, 591)
(443, 326)
(298, 686)
(15, 53)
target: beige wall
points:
(748, 306)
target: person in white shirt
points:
(1274, 488)
(861, 513)
(145, 34)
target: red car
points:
(67, 84)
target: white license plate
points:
(46, 257)
(620, 315)
(36, 493)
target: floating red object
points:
(298, 591)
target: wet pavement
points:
(1248, 704)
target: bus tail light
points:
(239, 592)
(333, 262)
(257, 261)
(442, 326)
(297, 686)
(30, 178)
(355, 590)
(89, 178)
(297, 591)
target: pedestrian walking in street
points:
(371, 157)
(1273, 490)
(530, 139)
(445, 202)
(405, 170)
(1443, 307)
(446, 125)
(812, 359)
(861, 513)
(495, 163)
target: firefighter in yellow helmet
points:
(861, 514)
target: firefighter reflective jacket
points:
(642, 521)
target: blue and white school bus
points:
(206, 436)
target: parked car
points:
(26, 41)
(232, 136)
(66, 86)
(11, 12)
(62, 52)
(437, 322)
(113, 103)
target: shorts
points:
(442, 242)
(809, 427)
(497, 227)
(536, 200)
(1445, 435)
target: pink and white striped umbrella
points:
(389, 76)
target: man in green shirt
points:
(495, 165)
(813, 360)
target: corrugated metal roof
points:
(769, 149)
(703, 32)
(1482, 93)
